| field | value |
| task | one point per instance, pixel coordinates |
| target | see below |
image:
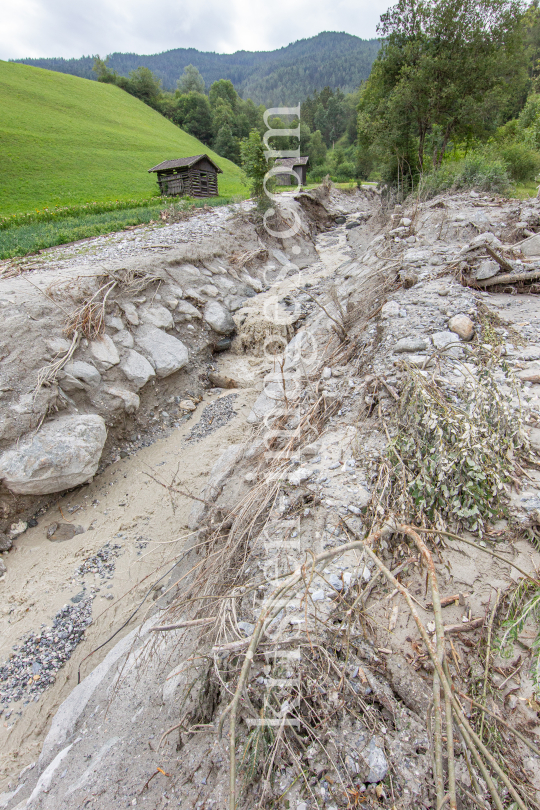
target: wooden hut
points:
(298, 165)
(194, 176)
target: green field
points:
(66, 140)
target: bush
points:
(477, 170)
(522, 163)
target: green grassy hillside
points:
(66, 140)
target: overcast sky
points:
(33, 28)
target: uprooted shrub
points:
(452, 455)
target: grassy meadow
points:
(74, 144)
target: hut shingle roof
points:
(180, 163)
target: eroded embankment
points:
(404, 397)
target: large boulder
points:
(218, 318)
(61, 455)
(166, 353)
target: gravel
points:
(214, 416)
(35, 660)
(102, 563)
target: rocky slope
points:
(322, 337)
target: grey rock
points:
(157, 315)
(411, 345)
(166, 353)
(531, 373)
(531, 246)
(443, 340)
(57, 345)
(390, 310)
(336, 582)
(6, 542)
(3, 568)
(124, 338)
(534, 439)
(130, 401)
(130, 311)
(60, 455)
(185, 308)
(114, 322)
(375, 762)
(218, 318)
(210, 290)
(104, 352)
(246, 627)
(137, 369)
(486, 269)
(83, 371)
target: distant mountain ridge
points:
(284, 76)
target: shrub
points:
(522, 162)
(478, 170)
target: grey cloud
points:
(33, 28)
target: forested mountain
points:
(284, 76)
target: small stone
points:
(411, 345)
(354, 509)
(419, 360)
(531, 246)
(298, 476)
(223, 344)
(462, 325)
(3, 568)
(390, 310)
(246, 627)
(531, 373)
(327, 373)
(486, 269)
(406, 222)
(114, 322)
(210, 290)
(130, 311)
(318, 596)
(165, 352)
(187, 405)
(105, 352)
(375, 762)
(6, 542)
(137, 369)
(336, 582)
(340, 220)
(130, 400)
(60, 532)
(185, 308)
(124, 338)
(409, 277)
(444, 340)
(311, 450)
(83, 371)
(57, 345)
(18, 528)
(157, 315)
(219, 318)
(534, 438)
